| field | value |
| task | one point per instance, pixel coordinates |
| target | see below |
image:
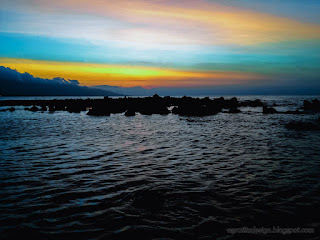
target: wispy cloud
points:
(164, 22)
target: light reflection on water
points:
(156, 176)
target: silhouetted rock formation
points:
(153, 108)
(59, 106)
(196, 110)
(43, 108)
(294, 112)
(269, 110)
(232, 103)
(34, 109)
(311, 106)
(130, 113)
(303, 126)
(250, 103)
(51, 108)
(185, 106)
(75, 108)
(149, 106)
(99, 110)
(234, 110)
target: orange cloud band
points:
(91, 74)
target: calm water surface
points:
(67, 175)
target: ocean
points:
(73, 176)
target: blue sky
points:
(266, 40)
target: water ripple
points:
(66, 176)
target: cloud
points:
(13, 83)
(160, 22)
(91, 74)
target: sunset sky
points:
(163, 42)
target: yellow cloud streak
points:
(91, 74)
(218, 24)
(236, 26)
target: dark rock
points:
(130, 113)
(234, 110)
(107, 106)
(51, 108)
(224, 103)
(250, 103)
(294, 112)
(44, 108)
(196, 110)
(311, 106)
(116, 107)
(34, 109)
(269, 110)
(60, 107)
(99, 110)
(75, 108)
(12, 109)
(303, 126)
(175, 110)
(149, 109)
(185, 106)
(233, 102)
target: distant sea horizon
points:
(27, 97)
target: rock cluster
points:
(185, 106)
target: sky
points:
(164, 43)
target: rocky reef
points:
(184, 106)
